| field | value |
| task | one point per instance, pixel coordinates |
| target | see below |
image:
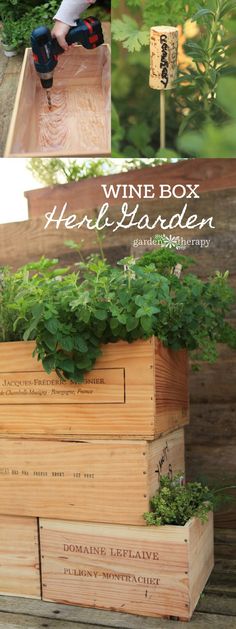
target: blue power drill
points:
(46, 49)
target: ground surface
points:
(216, 609)
(9, 77)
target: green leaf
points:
(66, 364)
(131, 323)
(146, 323)
(51, 325)
(202, 13)
(50, 341)
(226, 95)
(49, 363)
(66, 342)
(128, 31)
(100, 314)
(81, 344)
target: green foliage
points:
(133, 27)
(17, 28)
(71, 314)
(210, 54)
(214, 140)
(51, 171)
(128, 31)
(55, 170)
(176, 503)
(195, 102)
(21, 17)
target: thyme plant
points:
(176, 502)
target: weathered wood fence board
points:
(213, 388)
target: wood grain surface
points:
(213, 388)
(137, 391)
(156, 571)
(98, 481)
(79, 123)
(19, 557)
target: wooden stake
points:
(162, 120)
(163, 67)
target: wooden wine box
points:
(151, 571)
(79, 122)
(19, 557)
(98, 481)
(137, 390)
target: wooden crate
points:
(19, 557)
(79, 123)
(137, 390)
(99, 481)
(152, 571)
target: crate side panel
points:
(171, 378)
(166, 457)
(111, 569)
(116, 399)
(97, 481)
(23, 125)
(19, 557)
(201, 557)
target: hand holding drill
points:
(46, 49)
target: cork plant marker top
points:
(163, 57)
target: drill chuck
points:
(46, 79)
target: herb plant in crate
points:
(151, 571)
(77, 321)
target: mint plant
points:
(176, 502)
(71, 314)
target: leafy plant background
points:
(71, 313)
(201, 111)
(20, 17)
(51, 171)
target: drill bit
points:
(49, 99)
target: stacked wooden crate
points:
(83, 461)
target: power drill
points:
(46, 49)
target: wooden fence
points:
(211, 436)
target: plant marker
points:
(163, 67)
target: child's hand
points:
(59, 32)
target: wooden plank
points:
(212, 604)
(80, 99)
(214, 463)
(199, 620)
(171, 391)
(219, 255)
(222, 582)
(102, 481)
(210, 423)
(210, 174)
(19, 557)
(225, 544)
(203, 383)
(117, 398)
(227, 515)
(8, 90)
(209, 605)
(126, 569)
(201, 557)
